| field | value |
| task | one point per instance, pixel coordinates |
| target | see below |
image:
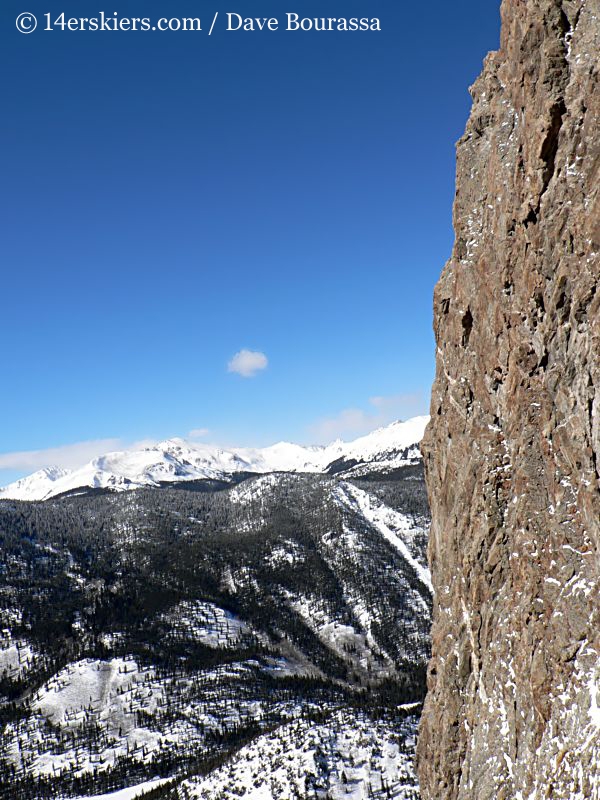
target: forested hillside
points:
(156, 633)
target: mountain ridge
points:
(175, 461)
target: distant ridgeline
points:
(201, 466)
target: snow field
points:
(16, 656)
(349, 757)
(206, 623)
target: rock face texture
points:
(513, 449)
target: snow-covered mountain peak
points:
(174, 445)
(37, 486)
(175, 460)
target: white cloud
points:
(247, 363)
(198, 433)
(68, 456)
(353, 422)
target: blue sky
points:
(172, 199)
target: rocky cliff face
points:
(513, 449)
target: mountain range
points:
(178, 461)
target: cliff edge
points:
(512, 452)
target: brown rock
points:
(512, 452)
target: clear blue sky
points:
(169, 199)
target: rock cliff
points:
(512, 452)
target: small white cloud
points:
(353, 422)
(247, 363)
(198, 433)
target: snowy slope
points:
(395, 527)
(349, 757)
(36, 486)
(176, 460)
(130, 794)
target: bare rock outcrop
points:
(512, 452)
